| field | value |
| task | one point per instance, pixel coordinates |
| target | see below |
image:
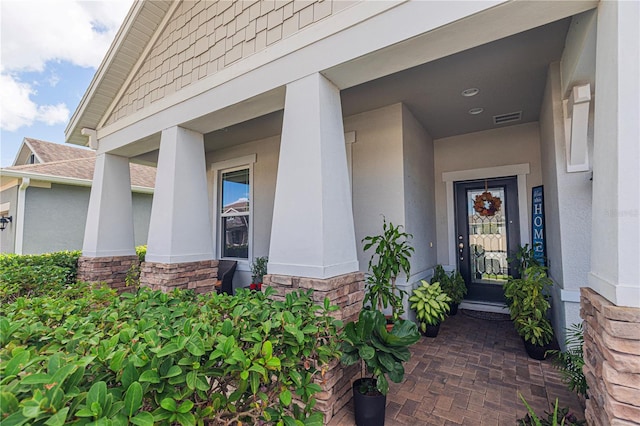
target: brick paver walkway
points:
(471, 375)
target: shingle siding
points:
(204, 37)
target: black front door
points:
(487, 232)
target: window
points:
(235, 212)
(31, 159)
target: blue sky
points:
(49, 52)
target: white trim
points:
(313, 271)
(19, 219)
(617, 293)
(184, 258)
(349, 140)
(139, 63)
(484, 307)
(570, 295)
(5, 207)
(246, 161)
(65, 180)
(519, 170)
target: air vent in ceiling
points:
(507, 118)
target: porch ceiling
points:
(510, 74)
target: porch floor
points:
(471, 374)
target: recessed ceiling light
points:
(470, 92)
(476, 111)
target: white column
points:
(312, 233)
(109, 228)
(615, 271)
(180, 227)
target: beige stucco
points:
(204, 37)
(492, 148)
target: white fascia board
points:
(65, 180)
(104, 66)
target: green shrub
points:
(559, 416)
(154, 358)
(31, 275)
(571, 361)
(141, 251)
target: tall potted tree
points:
(391, 257)
(382, 353)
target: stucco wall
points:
(567, 210)
(55, 218)
(419, 194)
(378, 183)
(498, 147)
(8, 236)
(264, 185)
(204, 37)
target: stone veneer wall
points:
(198, 276)
(111, 270)
(346, 291)
(612, 361)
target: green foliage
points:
(528, 302)
(381, 351)
(259, 269)
(524, 258)
(430, 303)
(24, 275)
(391, 257)
(571, 361)
(559, 416)
(452, 284)
(152, 358)
(141, 251)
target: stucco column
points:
(180, 226)
(109, 228)
(108, 250)
(615, 272)
(611, 306)
(312, 233)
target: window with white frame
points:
(234, 212)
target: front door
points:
(488, 232)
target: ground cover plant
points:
(88, 356)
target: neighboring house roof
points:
(47, 152)
(71, 163)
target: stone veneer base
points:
(199, 276)
(347, 292)
(612, 361)
(110, 270)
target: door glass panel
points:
(487, 240)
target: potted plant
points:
(258, 271)
(431, 305)
(382, 352)
(452, 284)
(391, 257)
(528, 302)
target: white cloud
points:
(18, 110)
(34, 32)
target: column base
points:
(198, 276)
(346, 291)
(612, 360)
(110, 270)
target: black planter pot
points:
(432, 330)
(534, 351)
(454, 309)
(368, 409)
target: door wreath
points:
(486, 204)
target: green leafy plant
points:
(382, 352)
(571, 361)
(259, 269)
(524, 258)
(559, 416)
(528, 302)
(430, 303)
(147, 357)
(391, 257)
(452, 284)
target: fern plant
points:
(571, 361)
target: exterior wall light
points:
(4, 220)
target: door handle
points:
(460, 247)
